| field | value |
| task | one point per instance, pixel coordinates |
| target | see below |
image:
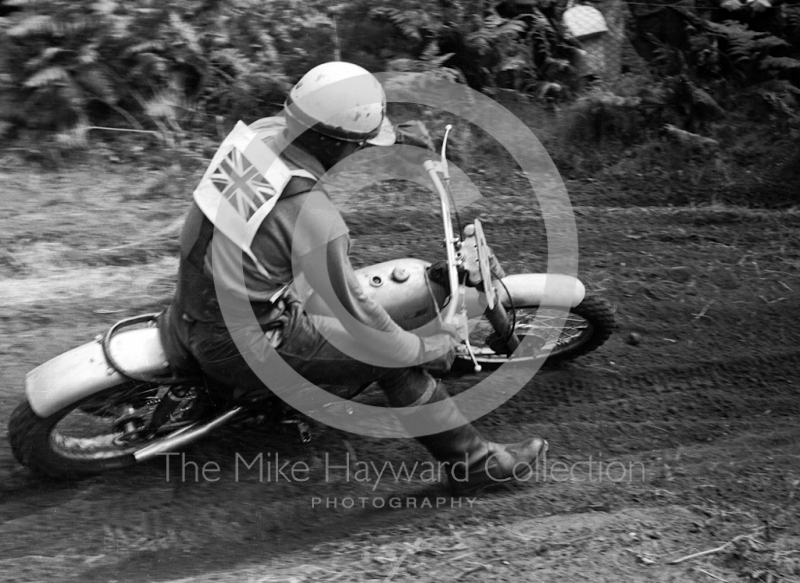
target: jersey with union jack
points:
(241, 184)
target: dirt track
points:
(703, 412)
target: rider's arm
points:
(367, 316)
(307, 233)
(367, 323)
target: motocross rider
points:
(332, 124)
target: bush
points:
(485, 45)
(173, 66)
(161, 64)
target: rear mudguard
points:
(83, 371)
(400, 286)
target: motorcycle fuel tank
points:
(402, 287)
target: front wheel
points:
(99, 433)
(587, 327)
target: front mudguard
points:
(529, 290)
(84, 371)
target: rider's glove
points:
(437, 352)
(414, 133)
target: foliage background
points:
(182, 71)
(170, 63)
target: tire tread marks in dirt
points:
(659, 407)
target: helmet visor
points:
(386, 134)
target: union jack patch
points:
(237, 194)
(241, 184)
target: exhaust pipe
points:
(184, 436)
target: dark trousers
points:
(298, 341)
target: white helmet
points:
(342, 101)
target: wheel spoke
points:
(112, 423)
(573, 330)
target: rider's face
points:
(348, 149)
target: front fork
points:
(479, 267)
(503, 339)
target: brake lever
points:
(476, 367)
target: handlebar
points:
(449, 239)
(495, 313)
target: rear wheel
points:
(587, 327)
(101, 432)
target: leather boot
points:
(472, 463)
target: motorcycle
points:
(118, 401)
